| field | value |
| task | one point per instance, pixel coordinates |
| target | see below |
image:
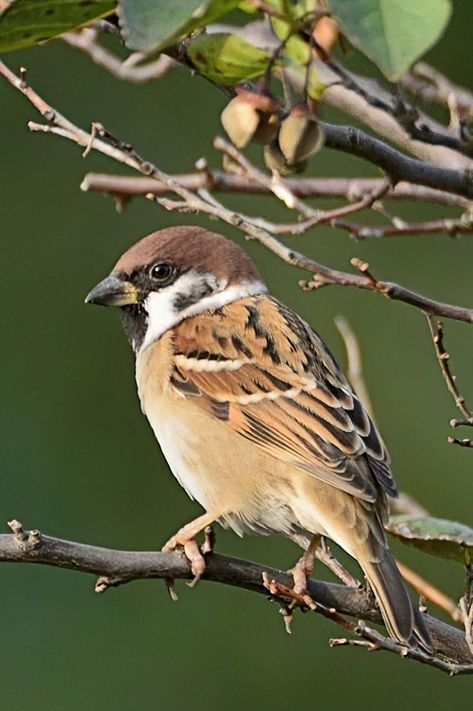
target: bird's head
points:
(173, 274)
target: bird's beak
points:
(113, 291)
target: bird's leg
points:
(325, 555)
(185, 538)
(303, 569)
(209, 540)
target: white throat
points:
(163, 309)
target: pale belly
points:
(223, 471)
(249, 490)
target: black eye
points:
(161, 272)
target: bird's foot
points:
(192, 552)
(291, 598)
(301, 574)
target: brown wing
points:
(263, 371)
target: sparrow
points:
(255, 418)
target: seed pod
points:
(300, 135)
(275, 160)
(326, 35)
(251, 117)
(267, 127)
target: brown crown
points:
(190, 247)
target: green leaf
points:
(392, 33)
(226, 58)
(437, 536)
(24, 23)
(152, 25)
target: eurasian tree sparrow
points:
(253, 415)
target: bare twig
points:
(275, 185)
(114, 567)
(443, 357)
(87, 41)
(354, 362)
(352, 189)
(466, 607)
(448, 226)
(375, 641)
(405, 504)
(322, 275)
(429, 592)
(432, 85)
(328, 216)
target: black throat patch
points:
(135, 324)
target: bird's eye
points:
(161, 272)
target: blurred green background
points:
(79, 460)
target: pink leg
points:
(185, 538)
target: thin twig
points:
(276, 185)
(406, 504)
(323, 275)
(87, 41)
(443, 357)
(432, 85)
(329, 216)
(114, 568)
(466, 607)
(354, 362)
(429, 592)
(448, 226)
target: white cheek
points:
(162, 312)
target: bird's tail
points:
(403, 621)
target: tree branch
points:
(87, 41)
(395, 164)
(190, 201)
(431, 85)
(115, 567)
(443, 357)
(219, 181)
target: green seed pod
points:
(300, 135)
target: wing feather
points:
(264, 372)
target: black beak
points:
(113, 291)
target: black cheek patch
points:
(199, 291)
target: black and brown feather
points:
(262, 369)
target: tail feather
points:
(402, 620)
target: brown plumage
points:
(253, 414)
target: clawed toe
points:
(292, 598)
(196, 560)
(194, 554)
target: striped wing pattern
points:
(263, 371)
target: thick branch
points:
(395, 164)
(115, 567)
